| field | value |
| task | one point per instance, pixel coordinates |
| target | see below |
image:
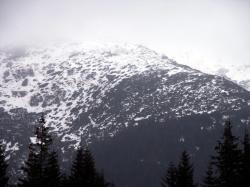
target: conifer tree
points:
(90, 173)
(210, 179)
(185, 172)
(83, 171)
(170, 179)
(228, 158)
(3, 168)
(52, 171)
(43, 139)
(77, 170)
(38, 156)
(245, 171)
(32, 170)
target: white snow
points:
(142, 118)
(70, 79)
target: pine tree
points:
(83, 171)
(31, 169)
(90, 173)
(170, 179)
(3, 168)
(185, 172)
(52, 171)
(43, 139)
(228, 158)
(245, 170)
(77, 170)
(38, 157)
(210, 179)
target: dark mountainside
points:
(137, 110)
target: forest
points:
(229, 167)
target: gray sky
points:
(191, 31)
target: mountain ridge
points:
(95, 93)
(50, 80)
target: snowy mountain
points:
(238, 73)
(95, 92)
(72, 80)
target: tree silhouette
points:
(83, 171)
(77, 170)
(170, 179)
(185, 172)
(228, 158)
(31, 170)
(245, 170)
(3, 167)
(34, 169)
(52, 171)
(210, 179)
(182, 176)
(90, 173)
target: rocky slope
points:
(91, 92)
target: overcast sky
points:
(191, 31)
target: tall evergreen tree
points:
(185, 172)
(245, 171)
(43, 140)
(83, 171)
(31, 170)
(3, 168)
(170, 179)
(228, 158)
(90, 173)
(77, 170)
(38, 157)
(210, 179)
(52, 171)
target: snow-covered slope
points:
(68, 81)
(96, 91)
(238, 72)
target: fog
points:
(193, 32)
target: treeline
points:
(229, 167)
(42, 169)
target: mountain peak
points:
(73, 81)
